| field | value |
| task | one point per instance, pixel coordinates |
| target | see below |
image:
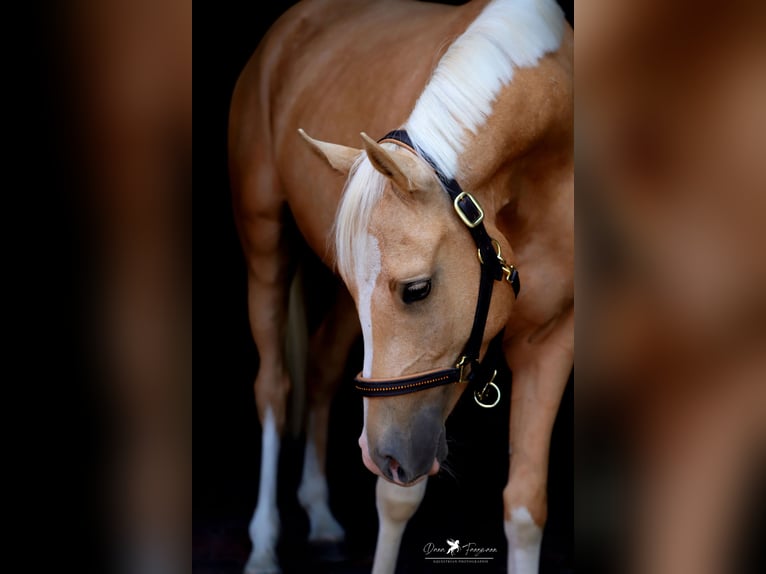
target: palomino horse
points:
(482, 159)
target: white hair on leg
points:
(524, 540)
(264, 526)
(396, 505)
(313, 494)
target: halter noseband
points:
(493, 268)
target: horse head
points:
(412, 268)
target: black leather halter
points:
(493, 268)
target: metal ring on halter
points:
(478, 396)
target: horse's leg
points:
(540, 369)
(262, 231)
(396, 505)
(328, 352)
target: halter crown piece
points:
(467, 368)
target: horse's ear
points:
(403, 169)
(340, 157)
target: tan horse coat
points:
(335, 68)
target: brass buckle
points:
(479, 396)
(462, 214)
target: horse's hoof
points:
(262, 563)
(324, 529)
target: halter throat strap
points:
(467, 368)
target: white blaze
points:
(367, 269)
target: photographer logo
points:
(454, 552)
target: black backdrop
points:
(226, 431)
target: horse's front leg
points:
(328, 353)
(267, 299)
(541, 367)
(396, 505)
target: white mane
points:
(457, 101)
(459, 96)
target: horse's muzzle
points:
(404, 457)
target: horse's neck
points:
(528, 137)
(520, 167)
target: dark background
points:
(226, 432)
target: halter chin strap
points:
(493, 268)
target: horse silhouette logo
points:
(454, 546)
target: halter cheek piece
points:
(467, 368)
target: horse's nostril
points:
(396, 470)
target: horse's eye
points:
(416, 291)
